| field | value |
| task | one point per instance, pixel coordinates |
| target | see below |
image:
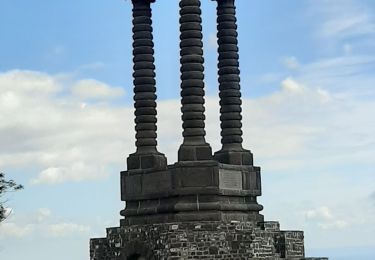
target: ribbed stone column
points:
(146, 155)
(194, 147)
(232, 151)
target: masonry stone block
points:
(199, 240)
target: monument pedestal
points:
(192, 191)
(200, 240)
(195, 210)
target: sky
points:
(66, 116)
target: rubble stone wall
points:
(199, 240)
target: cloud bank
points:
(46, 123)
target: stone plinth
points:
(192, 191)
(199, 240)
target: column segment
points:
(194, 147)
(146, 155)
(232, 151)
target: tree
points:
(6, 186)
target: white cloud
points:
(269, 78)
(60, 229)
(77, 172)
(70, 140)
(92, 89)
(321, 213)
(40, 224)
(63, 136)
(338, 224)
(341, 67)
(291, 86)
(9, 100)
(212, 41)
(348, 25)
(347, 76)
(92, 66)
(291, 63)
(43, 214)
(28, 82)
(14, 230)
(323, 218)
(66, 229)
(340, 19)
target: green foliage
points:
(6, 186)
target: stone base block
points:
(199, 240)
(156, 161)
(243, 157)
(192, 191)
(195, 153)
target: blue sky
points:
(66, 116)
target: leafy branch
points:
(5, 187)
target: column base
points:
(195, 152)
(241, 157)
(156, 161)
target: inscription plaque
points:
(230, 180)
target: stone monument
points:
(205, 205)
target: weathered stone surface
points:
(200, 240)
(232, 151)
(146, 155)
(100, 249)
(139, 161)
(194, 146)
(236, 157)
(202, 191)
